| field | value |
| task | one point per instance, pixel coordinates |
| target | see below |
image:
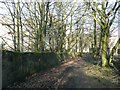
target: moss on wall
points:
(17, 66)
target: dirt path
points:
(74, 74)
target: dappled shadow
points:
(73, 74)
(87, 57)
(75, 77)
(116, 62)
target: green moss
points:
(20, 65)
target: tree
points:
(105, 23)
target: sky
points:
(4, 31)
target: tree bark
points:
(112, 53)
(104, 47)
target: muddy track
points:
(76, 73)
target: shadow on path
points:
(73, 74)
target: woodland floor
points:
(77, 73)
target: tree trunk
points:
(14, 36)
(95, 41)
(104, 48)
(112, 53)
(18, 29)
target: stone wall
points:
(17, 66)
